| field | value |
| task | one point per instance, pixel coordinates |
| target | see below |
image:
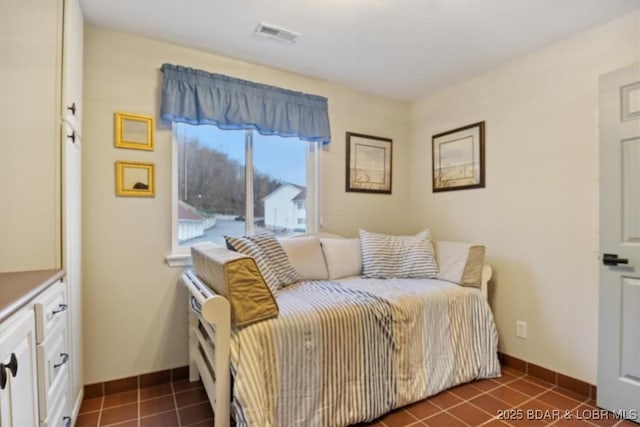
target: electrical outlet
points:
(521, 329)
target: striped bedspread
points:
(344, 352)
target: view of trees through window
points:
(212, 183)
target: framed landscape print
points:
(458, 158)
(369, 160)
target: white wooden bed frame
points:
(209, 352)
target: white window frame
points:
(180, 256)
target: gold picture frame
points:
(135, 179)
(134, 131)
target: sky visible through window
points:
(270, 157)
(212, 184)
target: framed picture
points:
(135, 179)
(458, 158)
(368, 163)
(134, 131)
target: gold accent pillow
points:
(236, 277)
(460, 262)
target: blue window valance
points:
(198, 97)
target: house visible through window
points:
(238, 182)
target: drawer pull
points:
(67, 421)
(65, 359)
(72, 108)
(61, 308)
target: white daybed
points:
(340, 350)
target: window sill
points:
(178, 260)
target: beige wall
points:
(538, 214)
(135, 318)
(30, 64)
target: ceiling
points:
(403, 49)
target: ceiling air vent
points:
(276, 33)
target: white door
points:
(619, 317)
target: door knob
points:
(612, 259)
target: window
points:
(237, 182)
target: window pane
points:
(279, 184)
(211, 193)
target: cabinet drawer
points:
(53, 369)
(59, 416)
(51, 309)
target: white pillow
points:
(306, 257)
(343, 257)
(385, 256)
(278, 260)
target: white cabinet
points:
(53, 356)
(41, 56)
(71, 108)
(72, 256)
(18, 373)
(35, 351)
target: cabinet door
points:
(72, 186)
(18, 400)
(72, 255)
(72, 40)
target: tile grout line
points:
(139, 394)
(100, 412)
(175, 402)
(456, 418)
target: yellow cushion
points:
(460, 262)
(236, 277)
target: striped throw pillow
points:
(385, 256)
(246, 246)
(278, 259)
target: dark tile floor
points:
(172, 404)
(515, 399)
